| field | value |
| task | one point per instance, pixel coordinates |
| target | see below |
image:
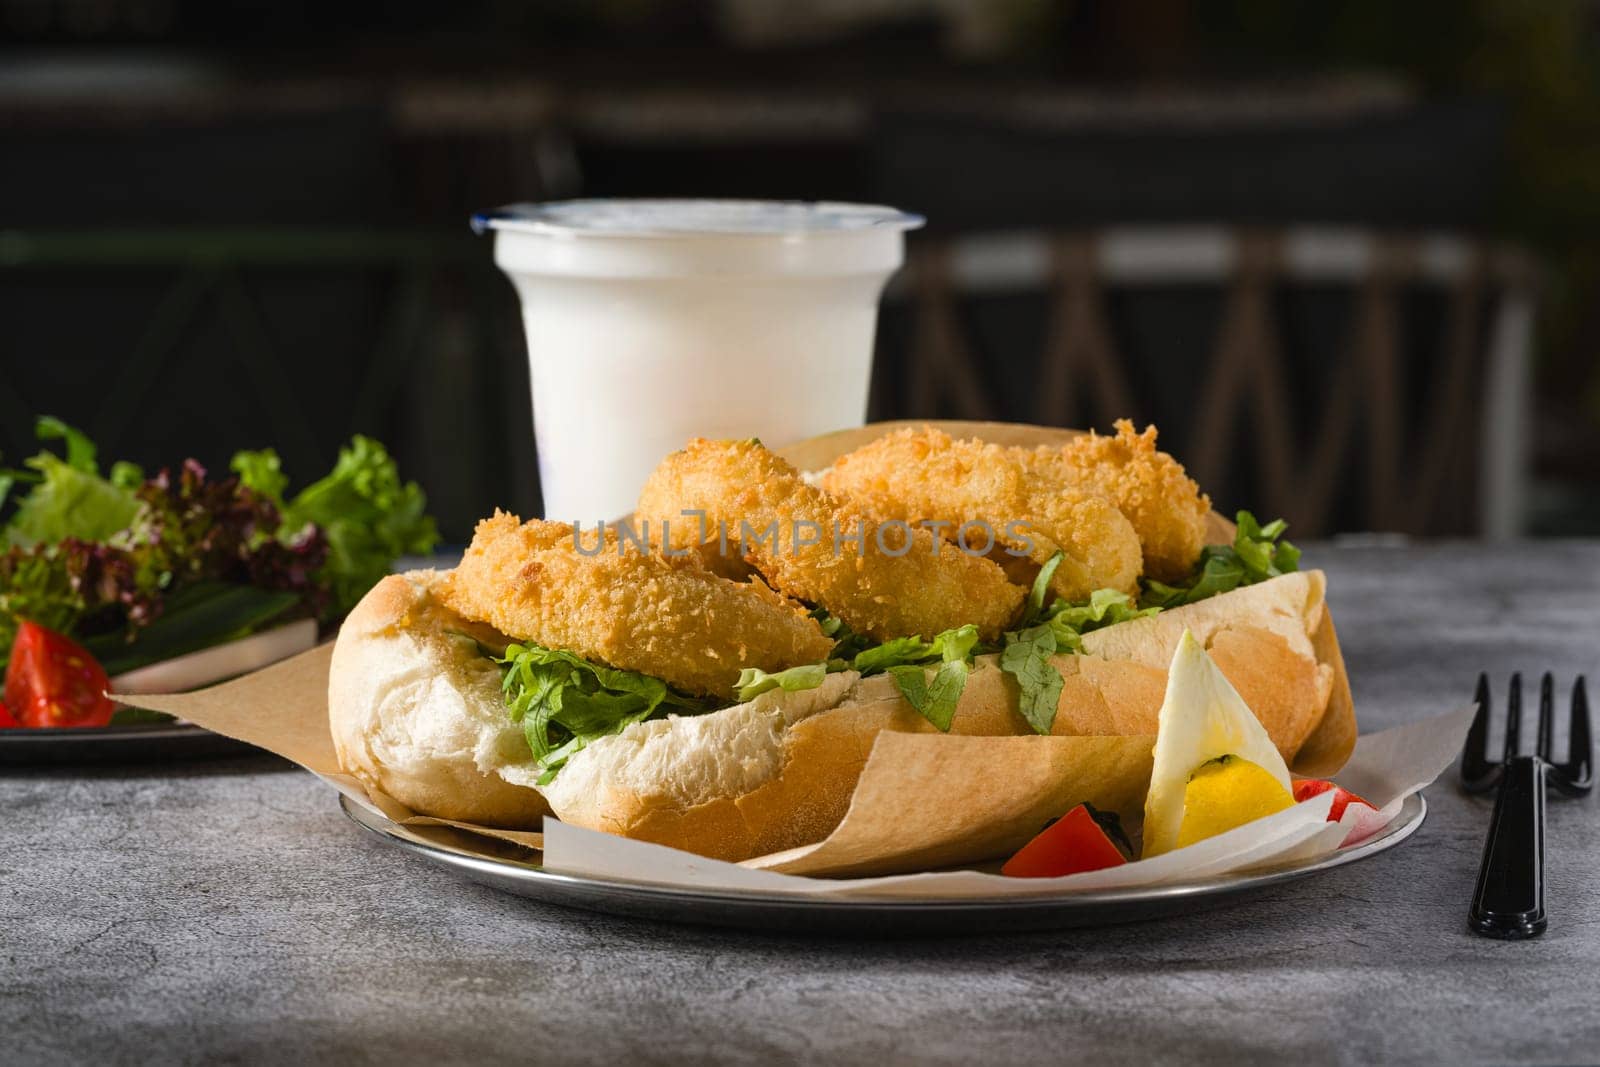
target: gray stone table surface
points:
(229, 912)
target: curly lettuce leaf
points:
(1256, 554)
(37, 585)
(68, 501)
(262, 471)
(81, 452)
(565, 702)
(369, 516)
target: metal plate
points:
(134, 743)
(482, 860)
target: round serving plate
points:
(133, 743)
(775, 911)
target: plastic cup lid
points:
(678, 218)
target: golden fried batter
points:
(1164, 504)
(667, 618)
(926, 475)
(827, 550)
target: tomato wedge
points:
(52, 681)
(1306, 788)
(1076, 842)
(7, 721)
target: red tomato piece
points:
(7, 721)
(1306, 788)
(1074, 843)
(52, 681)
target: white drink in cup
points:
(650, 322)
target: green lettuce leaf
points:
(1050, 629)
(1105, 607)
(753, 681)
(262, 471)
(565, 702)
(69, 501)
(67, 497)
(368, 515)
(1026, 658)
(936, 701)
(1256, 554)
(37, 585)
(906, 659)
(81, 451)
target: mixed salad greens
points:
(565, 702)
(138, 569)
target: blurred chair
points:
(1386, 435)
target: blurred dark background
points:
(1346, 255)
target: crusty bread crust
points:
(416, 712)
(779, 772)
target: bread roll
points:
(416, 711)
(778, 772)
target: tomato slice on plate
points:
(52, 681)
(1306, 788)
(1081, 840)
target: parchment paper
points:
(903, 816)
(284, 709)
(1386, 768)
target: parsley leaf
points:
(1047, 630)
(1256, 554)
(1027, 659)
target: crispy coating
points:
(826, 550)
(669, 618)
(1165, 505)
(927, 476)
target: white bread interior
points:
(416, 710)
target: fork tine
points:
(1579, 768)
(1477, 773)
(1547, 717)
(1514, 716)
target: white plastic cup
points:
(651, 322)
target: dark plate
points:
(134, 743)
(774, 912)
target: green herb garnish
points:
(1257, 554)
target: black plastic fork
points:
(1508, 902)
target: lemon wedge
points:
(1202, 719)
(1226, 793)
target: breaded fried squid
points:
(611, 602)
(1164, 504)
(828, 550)
(926, 475)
